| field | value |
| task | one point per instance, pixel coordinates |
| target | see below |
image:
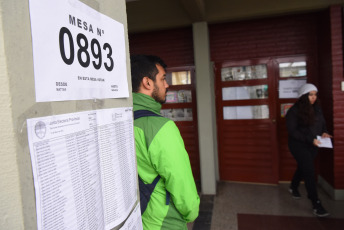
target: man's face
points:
(160, 86)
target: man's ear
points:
(147, 83)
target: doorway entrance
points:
(252, 97)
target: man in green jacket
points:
(160, 151)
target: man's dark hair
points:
(144, 66)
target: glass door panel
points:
(184, 114)
(246, 112)
(244, 73)
(178, 78)
(245, 92)
(180, 96)
(293, 69)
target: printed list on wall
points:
(78, 53)
(84, 169)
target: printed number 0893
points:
(83, 48)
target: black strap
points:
(146, 191)
(144, 113)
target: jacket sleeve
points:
(294, 129)
(171, 161)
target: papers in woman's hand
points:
(324, 142)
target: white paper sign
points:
(78, 52)
(84, 168)
(290, 88)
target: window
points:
(293, 69)
(244, 73)
(178, 78)
(245, 92)
(178, 114)
(245, 112)
(180, 96)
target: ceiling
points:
(150, 15)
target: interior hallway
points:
(272, 206)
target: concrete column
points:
(205, 108)
(17, 104)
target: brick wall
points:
(330, 76)
(281, 36)
(325, 91)
(175, 46)
(338, 95)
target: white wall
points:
(17, 103)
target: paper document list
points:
(84, 168)
(134, 221)
(325, 142)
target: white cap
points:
(306, 88)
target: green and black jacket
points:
(160, 151)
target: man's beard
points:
(156, 97)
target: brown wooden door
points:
(246, 121)
(252, 98)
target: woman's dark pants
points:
(304, 155)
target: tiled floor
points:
(238, 198)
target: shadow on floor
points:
(272, 222)
(270, 200)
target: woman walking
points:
(305, 122)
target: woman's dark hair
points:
(144, 66)
(306, 111)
